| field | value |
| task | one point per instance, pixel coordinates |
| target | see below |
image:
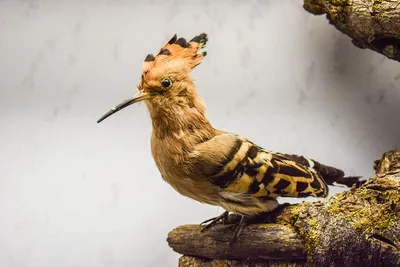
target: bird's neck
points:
(181, 121)
(178, 126)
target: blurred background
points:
(77, 193)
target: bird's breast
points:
(171, 158)
(177, 174)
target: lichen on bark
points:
(372, 211)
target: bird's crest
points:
(178, 53)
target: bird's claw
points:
(213, 221)
(238, 225)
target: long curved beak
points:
(140, 96)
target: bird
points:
(210, 165)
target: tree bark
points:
(373, 24)
(359, 227)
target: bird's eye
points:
(166, 83)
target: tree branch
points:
(360, 227)
(258, 241)
(373, 24)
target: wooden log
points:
(257, 241)
(187, 261)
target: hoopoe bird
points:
(207, 164)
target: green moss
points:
(337, 12)
(310, 236)
(311, 239)
(377, 213)
(392, 196)
(389, 51)
(314, 8)
(289, 217)
(314, 224)
(376, 6)
(368, 220)
(368, 195)
(266, 225)
(340, 2)
(364, 194)
(335, 207)
(294, 210)
(367, 210)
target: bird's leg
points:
(214, 220)
(257, 218)
(239, 227)
(238, 224)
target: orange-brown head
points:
(166, 85)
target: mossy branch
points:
(373, 24)
(359, 227)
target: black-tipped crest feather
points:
(164, 52)
(202, 38)
(173, 39)
(182, 42)
(149, 57)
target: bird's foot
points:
(213, 221)
(236, 226)
(237, 222)
(259, 218)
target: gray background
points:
(75, 193)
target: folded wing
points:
(236, 165)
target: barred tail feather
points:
(329, 174)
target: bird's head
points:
(165, 85)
